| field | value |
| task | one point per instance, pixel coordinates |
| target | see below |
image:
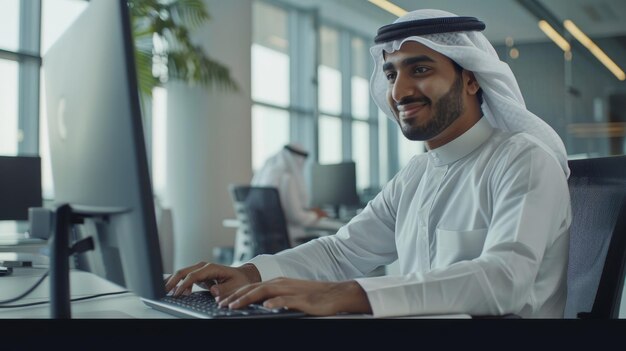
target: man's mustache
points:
(411, 100)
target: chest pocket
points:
(455, 246)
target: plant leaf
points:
(185, 61)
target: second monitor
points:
(334, 185)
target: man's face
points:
(425, 91)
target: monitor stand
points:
(65, 217)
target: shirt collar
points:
(463, 145)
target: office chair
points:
(597, 251)
(262, 224)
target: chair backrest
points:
(597, 237)
(262, 223)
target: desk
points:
(82, 284)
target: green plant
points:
(163, 48)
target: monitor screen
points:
(20, 186)
(334, 185)
(97, 147)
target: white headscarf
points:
(285, 162)
(503, 104)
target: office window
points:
(383, 149)
(270, 82)
(270, 59)
(9, 25)
(329, 140)
(270, 132)
(360, 97)
(329, 75)
(360, 80)
(360, 153)
(329, 90)
(360, 109)
(270, 76)
(9, 133)
(270, 26)
(329, 98)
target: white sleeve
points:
(293, 205)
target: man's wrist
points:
(251, 272)
(358, 301)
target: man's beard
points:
(446, 110)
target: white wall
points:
(209, 138)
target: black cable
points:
(78, 247)
(27, 291)
(72, 300)
(3, 302)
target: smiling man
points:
(479, 224)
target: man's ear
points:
(470, 82)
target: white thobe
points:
(478, 226)
(296, 214)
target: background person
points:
(285, 171)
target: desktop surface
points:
(82, 285)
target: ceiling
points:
(504, 18)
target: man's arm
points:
(294, 206)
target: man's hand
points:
(220, 280)
(319, 212)
(311, 297)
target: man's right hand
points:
(220, 280)
(319, 212)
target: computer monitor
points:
(334, 185)
(97, 147)
(20, 186)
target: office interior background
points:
(303, 68)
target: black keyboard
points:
(201, 304)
